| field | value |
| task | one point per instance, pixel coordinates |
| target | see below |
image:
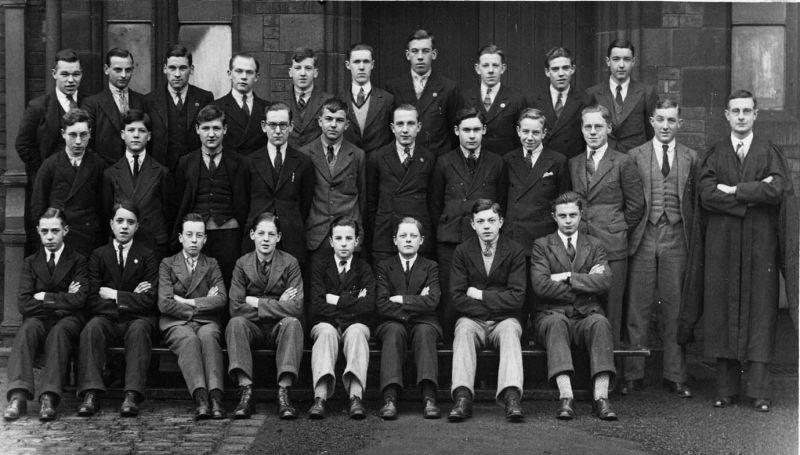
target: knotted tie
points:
(278, 162)
(407, 159)
(559, 105)
(570, 250)
(301, 101)
(123, 101)
(590, 162)
(665, 161)
(342, 270)
(72, 103)
(245, 107)
(212, 165)
(51, 263)
(487, 100)
(330, 156)
(472, 161)
(135, 166)
(740, 151)
(361, 98)
(618, 100)
(121, 258)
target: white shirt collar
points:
(465, 152)
(346, 266)
(57, 252)
(554, 95)
(535, 154)
(63, 101)
(748, 140)
(492, 95)
(78, 158)
(574, 238)
(116, 90)
(598, 154)
(403, 261)
(420, 78)
(306, 93)
(612, 84)
(658, 150)
(238, 97)
(126, 248)
(129, 156)
(182, 93)
(336, 147)
(273, 151)
(355, 88)
(400, 148)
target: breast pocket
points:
(348, 185)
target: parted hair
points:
(491, 49)
(533, 114)
(333, 105)
(666, 103)
(268, 217)
(66, 55)
(405, 107)
(344, 221)
(192, 217)
(118, 52)
(469, 112)
(278, 106)
(408, 220)
(570, 197)
(209, 113)
(597, 108)
(178, 50)
(54, 212)
(244, 55)
(736, 94)
(485, 204)
(421, 34)
(361, 47)
(302, 53)
(126, 205)
(136, 115)
(622, 44)
(76, 115)
(555, 53)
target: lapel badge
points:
(435, 94)
(135, 261)
(502, 105)
(421, 159)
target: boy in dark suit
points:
(305, 101)
(53, 287)
(191, 294)
(266, 305)
(569, 273)
(123, 275)
(342, 300)
(407, 296)
(243, 108)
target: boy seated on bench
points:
(569, 274)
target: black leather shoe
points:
(17, 406)
(203, 410)
(317, 410)
(130, 406)
(629, 387)
(217, 410)
(724, 402)
(761, 404)
(245, 408)
(431, 409)
(513, 407)
(90, 405)
(462, 409)
(678, 388)
(602, 409)
(285, 409)
(357, 410)
(565, 410)
(47, 411)
(389, 409)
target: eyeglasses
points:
(82, 135)
(277, 125)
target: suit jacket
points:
(416, 308)
(107, 123)
(377, 131)
(632, 127)
(687, 167)
(290, 197)
(284, 273)
(455, 190)
(564, 133)
(58, 185)
(58, 301)
(140, 265)
(503, 288)
(530, 191)
(152, 192)
(155, 104)
(244, 134)
(187, 178)
(306, 122)
(580, 294)
(437, 107)
(39, 134)
(351, 308)
(341, 192)
(501, 119)
(394, 192)
(174, 279)
(614, 200)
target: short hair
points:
(209, 113)
(118, 52)
(405, 107)
(125, 204)
(333, 105)
(533, 114)
(421, 34)
(193, 217)
(736, 94)
(361, 47)
(492, 49)
(136, 115)
(557, 52)
(278, 106)
(597, 108)
(76, 115)
(666, 103)
(485, 204)
(178, 50)
(242, 55)
(54, 212)
(623, 44)
(345, 221)
(469, 112)
(270, 217)
(408, 220)
(569, 197)
(66, 55)
(302, 53)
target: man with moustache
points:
(243, 108)
(306, 100)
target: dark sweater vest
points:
(214, 194)
(176, 129)
(664, 195)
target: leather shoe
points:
(217, 410)
(565, 410)
(602, 409)
(47, 411)
(357, 410)
(629, 387)
(762, 404)
(130, 407)
(285, 409)
(317, 410)
(513, 406)
(245, 408)
(462, 409)
(431, 409)
(203, 410)
(90, 404)
(678, 388)
(389, 409)
(17, 406)
(724, 402)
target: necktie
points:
(301, 101)
(361, 98)
(51, 263)
(740, 151)
(665, 161)
(278, 162)
(179, 104)
(618, 100)
(212, 165)
(419, 86)
(487, 100)
(191, 263)
(135, 166)
(72, 103)
(570, 249)
(529, 157)
(472, 162)
(245, 107)
(75, 163)
(407, 159)
(408, 272)
(123, 101)
(264, 270)
(488, 250)
(121, 258)
(331, 157)
(559, 105)
(590, 163)
(342, 270)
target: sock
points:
(321, 390)
(601, 386)
(564, 386)
(510, 392)
(286, 380)
(356, 389)
(428, 389)
(243, 380)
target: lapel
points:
(192, 107)
(635, 93)
(234, 112)
(251, 270)
(582, 250)
(312, 106)
(53, 116)
(459, 165)
(684, 168)
(521, 170)
(603, 168)
(161, 99)
(332, 270)
(109, 107)
(182, 271)
(40, 265)
(279, 263)
(480, 171)
(317, 154)
(476, 256)
(570, 106)
(64, 265)
(646, 160)
(500, 101)
(577, 166)
(124, 176)
(111, 264)
(393, 163)
(545, 104)
(501, 252)
(606, 98)
(558, 250)
(263, 166)
(200, 270)
(84, 171)
(432, 89)
(148, 172)
(376, 104)
(344, 158)
(538, 170)
(290, 164)
(132, 262)
(419, 273)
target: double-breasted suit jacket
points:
(58, 303)
(376, 131)
(284, 273)
(501, 119)
(563, 132)
(306, 121)
(107, 123)
(632, 127)
(244, 133)
(437, 107)
(39, 133)
(394, 192)
(391, 280)
(289, 197)
(60, 185)
(174, 279)
(351, 308)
